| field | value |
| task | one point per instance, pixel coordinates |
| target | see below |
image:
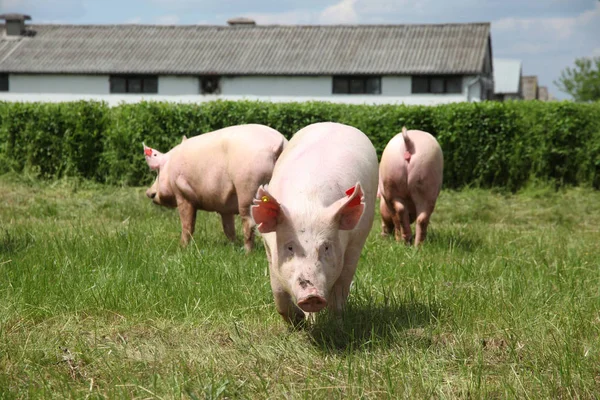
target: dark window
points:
(341, 85)
(454, 85)
(356, 85)
(437, 84)
(210, 85)
(3, 82)
(420, 84)
(133, 84)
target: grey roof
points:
(507, 76)
(247, 50)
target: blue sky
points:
(546, 35)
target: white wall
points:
(72, 84)
(396, 86)
(57, 88)
(472, 87)
(115, 99)
(178, 85)
(277, 85)
(318, 86)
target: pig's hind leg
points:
(401, 219)
(228, 222)
(248, 227)
(387, 223)
(424, 211)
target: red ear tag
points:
(148, 151)
(355, 201)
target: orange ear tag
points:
(148, 152)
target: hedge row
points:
(486, 144)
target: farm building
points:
(508, 83)
(413, 64)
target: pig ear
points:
(183, 138)
(348, 210)
(154, 158)
(266, 211)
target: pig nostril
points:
(312, 303)
(152, 195)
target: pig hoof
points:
(312, 303)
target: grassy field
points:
(98, 300)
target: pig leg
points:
(423, 215)
(187, 215)
(401, 219)
(247, 225)
(387, 223)
(228, 222)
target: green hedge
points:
(488, 144)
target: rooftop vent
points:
(15, 23)
(241, 21)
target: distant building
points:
(507, 79)
(530, 87)
(413, 64)
(543, 93)
(532, 91)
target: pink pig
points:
(217, 171)
(410, 180)
(315, 216)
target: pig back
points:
(321, 162)
(207, 167)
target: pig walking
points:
(410, 180)
(315, 216)
(218, 171)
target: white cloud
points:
(340, 13)
(167, 20)
(134, 20)
(549, 32)
(49, 10)
(394, 9)
(295, 17)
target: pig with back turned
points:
(410, 180)
(217, 171)
(315, 216)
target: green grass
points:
(97, 299)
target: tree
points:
(582, 81)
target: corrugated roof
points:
(247, 50)
(507, 76)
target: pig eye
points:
(290, 247)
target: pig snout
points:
(151, 193)
(310, 300)
(312, 303)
